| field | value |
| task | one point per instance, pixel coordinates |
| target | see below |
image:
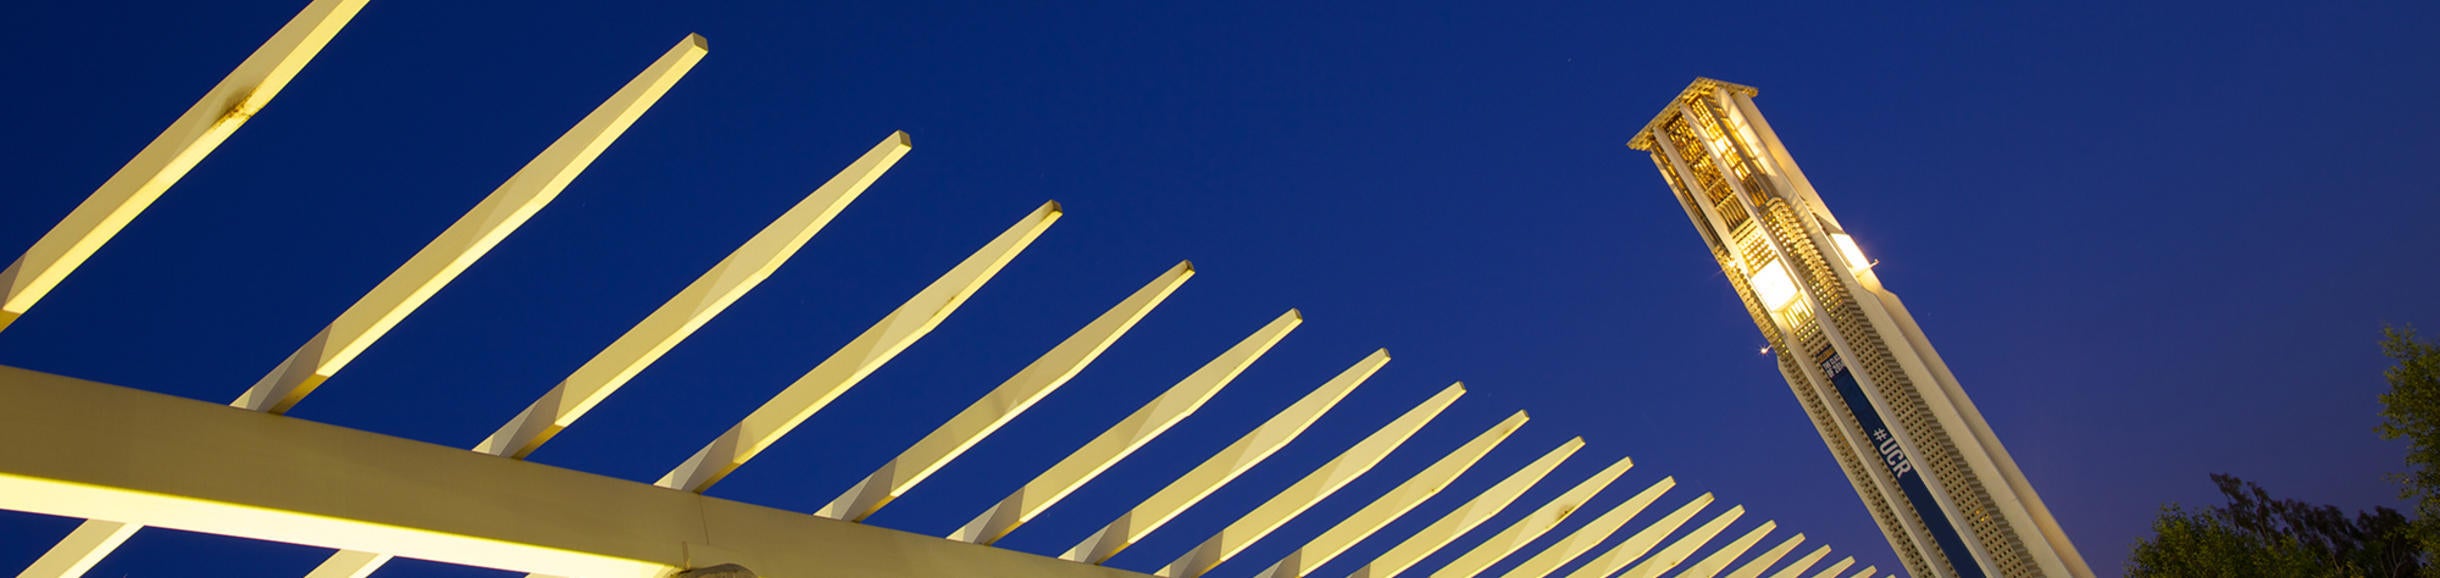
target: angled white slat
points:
(1710, 566)
(1797, 569)
(1755, 567)
(1867, 572)
(1834, 569)
(1593, 533)
(1020, 392)
(1677, 552)
(1473, 513)
(1298, 497)
(221, 111)
(1535, 524)
(473, 235)
(1390, 506)
(1127, 436)
(698, 303)
(84, 547)
(1225, 466)
(432, 267)
(852, 362)
(1627, 551)
(673, 322)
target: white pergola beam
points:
(859, 358)
(668, 325)
(1867, 572)
(1004, 403)
(1635, 546)
(1797, 569)
(1130, 434)
(1668, 558)
(698, 303)
(221, 111)
(1397, 502)
(1754, 568)
(1302, 495)
(1534, 524)
(1223, 467)
(1710, 566)
(472, 236)
(1834, 569)
(1467, 516)
(118, 453)
(431, 268)
(1593, 533)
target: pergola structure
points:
(123, 458)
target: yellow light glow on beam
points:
(194, 135)
(471, 237)
(1773, 286)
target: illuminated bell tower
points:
(1944, 491)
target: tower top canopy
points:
(1701, 87)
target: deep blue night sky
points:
(2155, 242)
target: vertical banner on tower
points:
(1901, 466)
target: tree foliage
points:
(2411, 410)
(2257, 535)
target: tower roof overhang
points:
(1699, 88)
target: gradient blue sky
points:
(2154, 241)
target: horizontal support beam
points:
(662, 330)
(122, 454)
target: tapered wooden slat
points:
(1302, 495)
(196, 133)
(1754, 568)
(1710, 566)
(84, 547)
(1473, 513)
(1390, 506)
(1593, 533)
(1535, 524)
(1797, 569)
(1123, 439)
(1668, 558)
(1225, 466)
(859, 358)
(1867, 572)
(1003, 403)
(1642, 542)
(473, 235)
(698, 303)
(1835, 569)
(672, 323)
(440, 261)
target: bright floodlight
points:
(1774, 286)
(1847, 248)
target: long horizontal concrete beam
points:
(108, 452)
